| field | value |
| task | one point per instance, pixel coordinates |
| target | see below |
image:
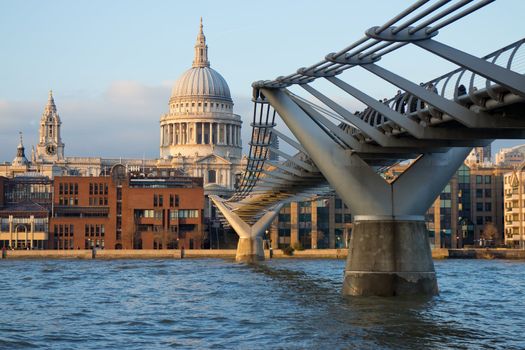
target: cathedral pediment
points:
(212, 159)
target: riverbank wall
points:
(441, 253)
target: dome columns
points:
(215, 133)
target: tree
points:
(490, 233)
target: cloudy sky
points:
(112, 64)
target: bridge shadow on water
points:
(364, 322)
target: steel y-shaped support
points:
(250, 246)
(389, 253)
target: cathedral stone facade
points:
(200, 134)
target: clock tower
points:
(50, 147)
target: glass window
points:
(488, 193)
(479, 220)
(479, 206)
(479, 193)
(488, 206)
(488, 179)
(479, 179)
(488, 218)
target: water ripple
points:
(279, 304)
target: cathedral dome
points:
(201, 82)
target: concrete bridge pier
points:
(250, 246)
(389, 252)
(389, 258)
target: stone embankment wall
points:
(442, 253)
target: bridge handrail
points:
(363, 50)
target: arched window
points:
(212, 176)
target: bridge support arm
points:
(389, 252)
(250, 245)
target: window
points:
(171, 201)
(488, 218)
(488, 179)
(155, 200)
(479, 206)
(479, 179)
(212, 176)
(479, 193)
(161, 200)
(479, 220)
(61, 189)
(90, 188)
(188, 213)
(488, 206)
(488, 193)
(176, 200)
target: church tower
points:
(50, 147)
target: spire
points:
(21, 144)
(20, 158)
(50, 107)
(201, 50)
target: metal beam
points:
(285, 168)
(289, 141)
(505, 77)
(298, 162)
(458, 112)
(366, 128)
(411, 126)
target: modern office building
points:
(469, 210)
(323, 222)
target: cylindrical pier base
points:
(389, 258)
(250, 250)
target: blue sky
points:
(111, 64)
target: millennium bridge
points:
(435, 124)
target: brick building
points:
(125, 212)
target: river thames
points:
(281, 304)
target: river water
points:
(281, 304)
